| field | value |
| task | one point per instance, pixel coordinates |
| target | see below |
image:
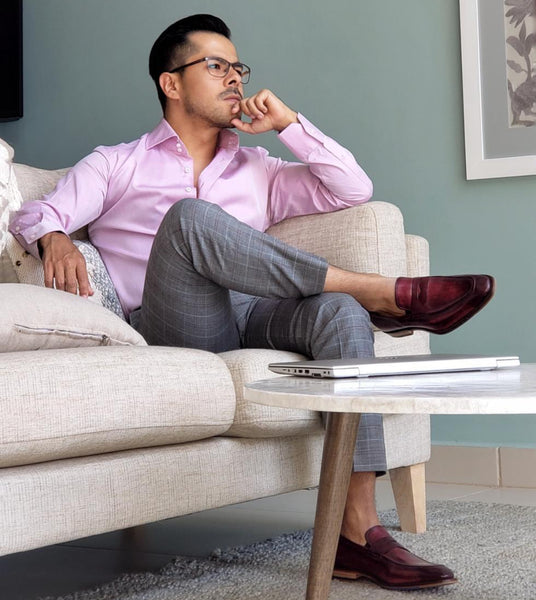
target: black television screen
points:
(10, 60)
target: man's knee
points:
(187, 209)
(342, 306)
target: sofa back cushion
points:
(34, 183)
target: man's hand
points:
(64, 264)
(266, 111)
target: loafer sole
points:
(354, 575)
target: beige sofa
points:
(101, 432)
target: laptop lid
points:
(393, 365)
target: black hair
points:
(173, 45)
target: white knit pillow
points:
(10, 198)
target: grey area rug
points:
(490, 547)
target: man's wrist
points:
(293, 118)
(42, 241)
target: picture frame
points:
(500, 130)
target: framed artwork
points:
(498, 44)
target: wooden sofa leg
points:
(410, 496)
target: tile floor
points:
(78, 565)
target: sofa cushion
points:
(77, 402)
(257, 420)
(36, 318)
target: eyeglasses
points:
(219, 67)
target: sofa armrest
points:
(368, 238)
(418, 256)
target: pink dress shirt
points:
(123, 192)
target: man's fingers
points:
(261, 101)
(245, 108)
(49, 275)
(267, 112)
(59, 280)
(84, 288)
(257, 107)
(71, 283)
(242, 126)
(253, 107)
(65, 267)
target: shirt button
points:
(187, 170)
(17, 228)
(179, 147)
(188, 189)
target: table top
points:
(501, 391)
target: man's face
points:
(205, 97)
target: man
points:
(178, 217)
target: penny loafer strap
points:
(385, 545)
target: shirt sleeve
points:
(76, 201)
(327, 179)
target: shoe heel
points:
(343, 574)
(400, 334)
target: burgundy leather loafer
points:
(436, 304)
(388, 564)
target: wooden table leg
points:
(337, 459)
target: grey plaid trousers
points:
(216, 284)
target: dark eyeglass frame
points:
(242, 69)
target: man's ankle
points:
(360, 510)
(355, 530)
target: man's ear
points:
(170, 85)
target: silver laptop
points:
(394, 365)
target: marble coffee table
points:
(504, 391)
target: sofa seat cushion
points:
(36, 318)
(257, 420)
(78, 402)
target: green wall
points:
(384, 78)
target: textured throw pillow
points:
(36, 318)
(28, 269)
(10, 198)
(99, 278)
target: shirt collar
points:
(163, 132)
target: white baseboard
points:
(496, 467)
